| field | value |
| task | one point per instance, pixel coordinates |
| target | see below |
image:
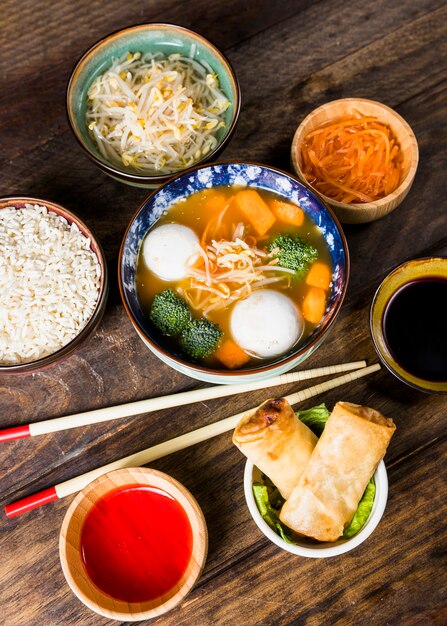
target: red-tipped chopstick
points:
(17, 432)
(168, 447)
(32, 502)
(166, 402)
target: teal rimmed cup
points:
(167, 39)
(417, 269)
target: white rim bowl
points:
(320, 550)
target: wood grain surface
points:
(290, 56)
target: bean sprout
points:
(229, 270)
(154, 114)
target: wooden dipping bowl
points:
(70, 545)
(368, 211)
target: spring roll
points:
(277, 442)
(326, 497)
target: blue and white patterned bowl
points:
(226, 174)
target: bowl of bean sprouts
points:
(152, 100)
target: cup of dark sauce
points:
(408, 323)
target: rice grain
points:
(49, 283)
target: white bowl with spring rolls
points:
(315, 485)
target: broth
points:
(195, 212)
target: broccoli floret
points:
(293, 253)
(169, 313)
(200, 338)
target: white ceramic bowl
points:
(319, 550)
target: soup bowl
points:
(166, 39)
(251, 175)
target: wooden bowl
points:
(368, 211)
(70, 545)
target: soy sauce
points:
(415, 328)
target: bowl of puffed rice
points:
(53, 283)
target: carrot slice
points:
(319, 276)
(255, 210)
(231, 355)
(286, 212)
(314, 305)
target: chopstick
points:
(165, 402)
(77, 483)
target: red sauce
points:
(136, 543)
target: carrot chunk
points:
(314, 305)
(216, 202)
(319, 276)
(255, 210)
(231, 355)
(287, 213)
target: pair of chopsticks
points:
(73, 485)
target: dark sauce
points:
(415, 328)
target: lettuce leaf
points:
(270, 514)
(315, 418)
(363, 511)
(269, 501)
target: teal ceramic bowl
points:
(167, 39)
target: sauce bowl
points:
(404, 274)
(71, 555)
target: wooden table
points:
(290, 57)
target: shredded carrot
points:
(354, 159)
(214, 229)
